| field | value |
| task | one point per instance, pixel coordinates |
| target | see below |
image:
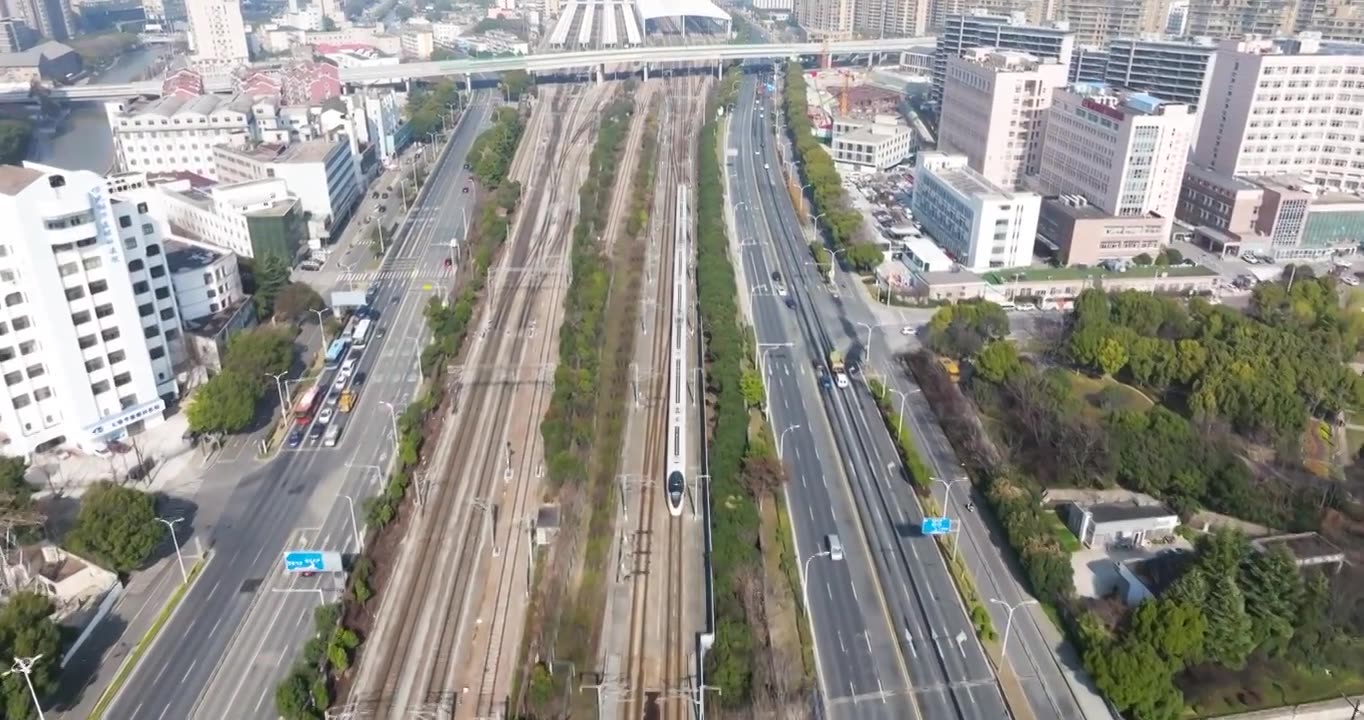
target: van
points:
(835, 547)
(332, 436)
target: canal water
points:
(84, 142)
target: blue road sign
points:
(312, 561)
(936, 526)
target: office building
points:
(321, 173)
(1173, 70)
(1241, 18)
(977, 223)
(825, 19)
(1124, 152)
(1088, 63)
(1081, 234)
(1283, 216)
(1177, 18)
(88, 313)
(178, 133)
(206, 281)
(1002, 32)
(1334, 19)
(52, 19)
(890, 18)
(14, 35)
(1099, 21)
(217, 34)
(994, 104)
(248, 219)
(1284, 108)
(871, 145)
(417, 44)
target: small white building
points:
(979, 224)
(383, 123)
(320, 173)
(871, 145)
(921, 256)
(205, 281)
(175, 133)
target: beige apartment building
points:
(1239, 18)
(994, 105)
(890, 18)
(1124, 152)
(1099, 21)
(826, 19)
(1285, 107)
(1082, 234)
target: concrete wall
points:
(1338, 709)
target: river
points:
(85, 142)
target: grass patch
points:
(135, 657)
(1026, 274)
(1263, 685)
(1063, 535)
(1106, 394)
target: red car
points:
(447, 262)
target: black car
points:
(318, 431)
(359, 379)
(295, 437)
(776, 276)
(467, 166)
(466, 190)
(791, 302)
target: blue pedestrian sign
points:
(312, 561)
(936, 526)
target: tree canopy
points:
(271, 274)
(962, 330)
(116, 526)
(296, 301)
(27, 630)
(15, 138)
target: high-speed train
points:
(676, 482)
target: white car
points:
(781, 290)
(340, 383)
(325, 416)
(1251, 259)
(766, 166)
(907, 330)
(1350, 280)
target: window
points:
(6, 354)
(109, 334)
(125, 221)
(98, 287)
(127, 401)
(104, 311)
(13, 299)
(158, 271)
(21, 323)
(14, 378)
(130, 243)
(135, 265)
(34, 371)
(162, 293)
(157, 352)
(153, 248)
(8, 276)
(4, 328)
(94, 364)
(172, 334)
(142, 208)
(22, 401)
(42, 394)
(117, 356)
(28, 347)
(75, 293)
(100, 387)
(123, 379)
(80, 318)
(150, 332)
(87, 341)
(148, 229)
(167, 313)
(66, 269)
(146, 310)
(141, 286)
(92, 263)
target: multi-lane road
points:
(928, 633)
(243, 621)
(860, 671)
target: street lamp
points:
(1008, 623)
(393, 416)
(805, 581)
(782, 437)
(867, 359)
(25, 666)
(279, 387)
(900, 426)
(170, 525)
(320, 327)
(947, 506)
(354, 527)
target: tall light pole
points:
(900, 426)
(320, 327)
(947, 507)
(869, 328)
(279, 387)
(393, 416)
(782, 437)
(170, 525)
(1008, 623)
(25, 667)
(805, 581)
(354, 527)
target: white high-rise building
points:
(994, 104)
(1124, 152)
(87, 315)
(1285, 108)
(977, 223)
(217, 34)
(1003, 32)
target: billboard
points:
(312, 561)
(348, 298)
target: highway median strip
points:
(125, 670)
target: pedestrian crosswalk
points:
(402, 269)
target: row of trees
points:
(568, 426)
(491, 155)
(842, 223)
(1265, 373)
(427, 105)
(734, 513)
(227, 402)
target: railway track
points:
(408, 664)
(657, 672)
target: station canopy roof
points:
(654, 9)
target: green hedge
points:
(904, 442)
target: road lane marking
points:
(841, 644)
(214, 630)
(185, 677)
(163, 711)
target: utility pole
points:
(24, 666)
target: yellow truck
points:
(347, 400)
(950, 365)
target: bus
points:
(303, 409)
(357, 339)
(336, 351)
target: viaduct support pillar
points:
(646, 72)
(468, 83)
